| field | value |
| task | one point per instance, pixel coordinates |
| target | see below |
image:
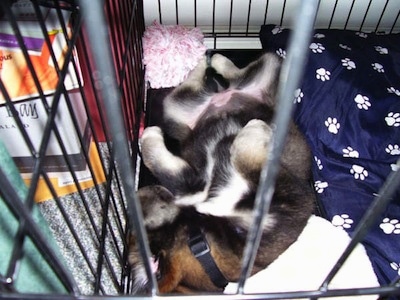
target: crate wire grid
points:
(230, 24)
(99, 241)
(29, 202)
(268, 175)
(123, 66)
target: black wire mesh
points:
(79, 194)
(94, 218)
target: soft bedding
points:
(348, 106)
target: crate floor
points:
(80, 246)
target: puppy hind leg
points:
(183, 105)
(264, 74)
(249, 148)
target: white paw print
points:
(298, 96)
(332, 125)
(393, 149)
(348, 63)
(378, 67)
(320, 186)
(323, 74)
(317, 47)
(362, 34)
(392, 90)
(342, 221)
(359, 172)
(390, 226)
(350, 152)
(393, 119)
(280, 52)
(277, 30)
(345, 47)
(319, 163)
(362, 102)
(396, 266)
(319, 35)
(381, 50)
(395, 167)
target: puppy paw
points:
(257, 128)
(249, 149)
(152, 138)
(151, 142)
(160, 161)
(152, 132)
(224, 66)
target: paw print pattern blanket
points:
(348, 106)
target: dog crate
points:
(73, 102)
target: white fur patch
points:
(152, 143)
(192, 199)
(225, 202)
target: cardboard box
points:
(62, 182)
(29, 21)
(21, 89)
(15, 73)
(33, 115)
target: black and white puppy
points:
(221, 118)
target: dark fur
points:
(221, 118)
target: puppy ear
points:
(158, 206)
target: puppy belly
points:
(213, 105)
(221, 99)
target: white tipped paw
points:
(151, 137)
(260, 125)
(152, 132)
(257, 133)
(249, 149)
(151, 142)
(223, 65)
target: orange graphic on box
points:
(16, 75)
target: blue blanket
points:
(348, 106)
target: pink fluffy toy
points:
(170, 53)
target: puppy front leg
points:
(164, 165)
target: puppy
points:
(221, 119)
